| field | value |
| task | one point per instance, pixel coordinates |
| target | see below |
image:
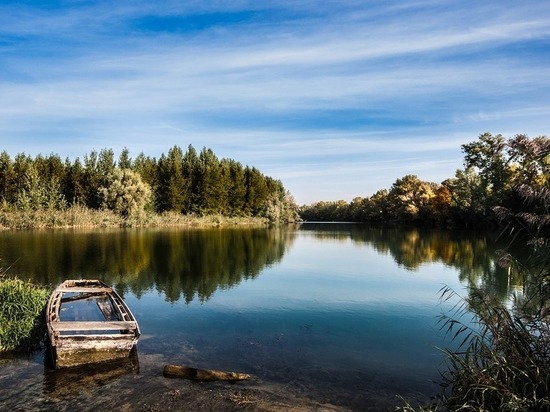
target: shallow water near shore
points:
(343, 315)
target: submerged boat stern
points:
(80, 350)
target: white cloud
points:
(321, 92)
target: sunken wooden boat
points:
(88, 322)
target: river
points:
(341, 313)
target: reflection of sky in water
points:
(338, 305)
(332, 316)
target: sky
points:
(337, 99)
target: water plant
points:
(502, 359)
(22, 323)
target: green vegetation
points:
(495, 170)
(501, 361)
(22, 322)
(100, 191)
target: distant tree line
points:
(184, 182)
(497, 172)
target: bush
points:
(22, 322)
(126, 194)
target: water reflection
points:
(343, 313)
(65, 383)
(472, 254)
(194, 263)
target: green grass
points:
(22, 322)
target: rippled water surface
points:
(344, 314)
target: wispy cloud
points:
(305, 89)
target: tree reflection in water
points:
(188, 262)
(473, 254)
(194, 263)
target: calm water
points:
(342, 313)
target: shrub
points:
(126, 194)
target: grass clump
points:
(22, 323)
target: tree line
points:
(497, 172)
(184, 182)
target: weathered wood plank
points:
(81, 296)
(95, 325)
(107, 310)
(84, 289)
(95, 343)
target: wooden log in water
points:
(185, 372)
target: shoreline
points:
(76, 217)
(125, 388)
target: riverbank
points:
(25, 383)
(83, 217)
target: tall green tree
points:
(21, 166)
(191, 185)
(532, 158)
(7, 177)
(256, 192)
(106, 163)
(92, 180)
(39, 193)
(468, 192)
(212, 198)
(410, 198)
(73, 185)
(171, 181)
(487, 157)
(147, 167)
(124, 159)
(50, 167)
(236, 192)
(378, 206)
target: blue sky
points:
(337, 99)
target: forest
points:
(187, 183)
(498, 172)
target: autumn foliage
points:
(496, 171)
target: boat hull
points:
(80, 350)
(88, 322)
